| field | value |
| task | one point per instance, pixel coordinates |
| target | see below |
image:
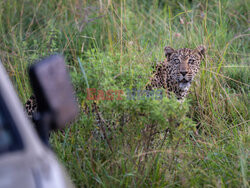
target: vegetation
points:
(141, 143)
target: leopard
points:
(178, 70)
(174, 74)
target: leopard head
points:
(184, 64)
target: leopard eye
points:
(177, 61)
(191, 61)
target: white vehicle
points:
(25, 161)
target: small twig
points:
(102, 127)
(164, 138)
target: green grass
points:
(117, 43)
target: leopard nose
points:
(183, 73)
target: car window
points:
(10, 139)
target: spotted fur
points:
(31, 106)
(177, 71)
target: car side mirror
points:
(53, 91)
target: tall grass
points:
(147, 143)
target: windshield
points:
(9, 137)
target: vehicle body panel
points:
(35, 164)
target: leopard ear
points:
(168, 51)
(201, 50)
